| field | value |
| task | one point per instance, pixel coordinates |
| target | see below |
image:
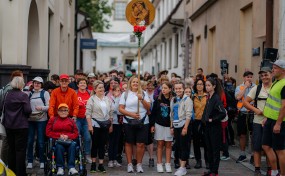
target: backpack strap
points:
(258, 89)
(42, 96)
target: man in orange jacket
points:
(63, 94)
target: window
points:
(113, 61)
(120, 8)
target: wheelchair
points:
(80, 160)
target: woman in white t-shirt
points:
(135, 123)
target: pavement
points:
(227, 168)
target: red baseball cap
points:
(63, 76)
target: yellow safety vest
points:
(273, 102)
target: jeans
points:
(40, 128)
(59, 154)
(82, 126)
(114, 138)
(17, 141)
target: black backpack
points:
(231, 101)
(42, 96)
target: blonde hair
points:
(163, 78)
(130, 81)
(17, 82)
(95, 85)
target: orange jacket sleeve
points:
(52, 103)
(75, 105)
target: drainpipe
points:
(269, 24)
(75, 31)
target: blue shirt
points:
(175, 109)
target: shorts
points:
(275, 141)
(257, 132)
(244, 123)
(162, 133)
(135, 135)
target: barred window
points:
(120, 8)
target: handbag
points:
(36, 115)
(135, 122)
(104, 124)
(63, 142)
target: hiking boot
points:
(93, 167)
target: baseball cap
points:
(280, 63)
(62, 105)
(63, 76)
(91, 75)
(39, 79)
(264, 70)
(247, 73)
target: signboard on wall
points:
(88, 44)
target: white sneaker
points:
(172, 155)
(116, 164)
(42, 165)
(111, 164)
(159, 168)
(181, 171)
(72, 171)
(130, 168)
(139, 168)
(88, 159)
(60, 171)
(168, 167)
(30, 166)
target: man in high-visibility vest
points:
(243, 122)
(274, 125)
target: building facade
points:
(164, 38)
(117, 48)
(36, 36)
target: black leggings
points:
(213, 135)
(198, 139)
(182, 144)
(99, 140)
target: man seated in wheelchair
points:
(64, 131)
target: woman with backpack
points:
(39, 100)
(135, 123)
(81, 122)
(213, 114)
(181, 112)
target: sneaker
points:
(191, 156)
(257, 173)
(139, 168)
(60, 171)
(134, 162)
(151, 162)
(168, 167)
(117, 164)
(251, 161)
(93, 168)
(241, 159)
(159, 168)
(130, 168)
(111, 164)
(181, 171)
(198, 165)
(225, 158)
(72, 171)
(101, 168)
(42, 165)
(30, 166)
(172, 155)
(88, 159)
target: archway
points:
(33, 46)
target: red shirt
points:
(82, 100)
(57, 126)
(90, 87)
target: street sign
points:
(88, 44)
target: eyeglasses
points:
(62, 110)
(37, 83)
(64, 80)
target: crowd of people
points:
(115, 114)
